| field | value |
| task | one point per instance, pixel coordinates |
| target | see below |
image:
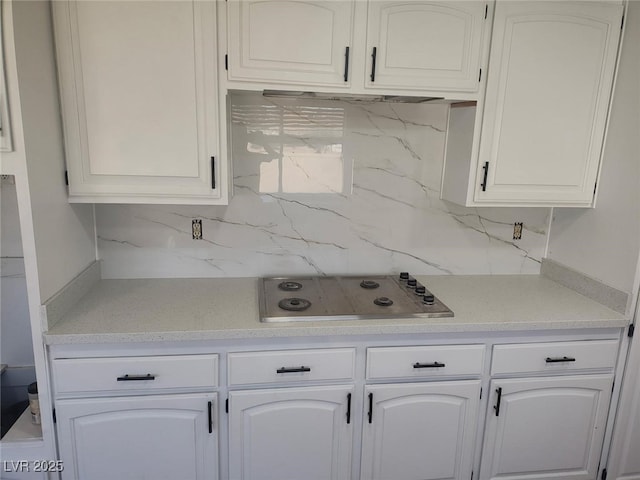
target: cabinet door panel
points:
(548, 90)
(290, 434)
(546, 428)
(426, 45)
(138, 85)
(421, 431)
(129, 438)
(289, 41)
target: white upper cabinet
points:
(418, 44)
(290, 42)
(421, 47)
(549, 85)
(139, 92)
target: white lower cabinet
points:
(159, 437)
(291, 433)
(546, 428)
(420, 430)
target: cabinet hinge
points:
(480, 75)
(226, 406)
(54, 416)
(632, 329)
(486, 10)
(66, 177)
(480, 393)
(604, 474)
(226, 62)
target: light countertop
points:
(144, 310)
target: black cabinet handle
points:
(210, 418)
(484, 179)
(129, 378)
(348, 408)
(370, 407)
(346, 64)
(428, 365)
(213, 173)
(496, 407)
(560, 359)
(373, 64)
(293, 370)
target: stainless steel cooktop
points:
(347, 298)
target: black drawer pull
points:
(428, 365)
(128, 378)
(293, 370)
(560, 359)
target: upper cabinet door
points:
(422, 45)
(139, 94)
(549, 84)
(290, 41)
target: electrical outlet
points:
(7, 179)
(517, 230)
(196, 229)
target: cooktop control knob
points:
(404, 275)
(420, 290)
(412, 282)
(428, 299)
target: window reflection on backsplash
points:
(291, 148)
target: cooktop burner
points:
(370, 284)
(347, 298)
(294, 304)
(290, 286)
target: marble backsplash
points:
(325, 187)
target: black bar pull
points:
(210, 419)
(496, 407)
(293, 370)
(213, 173)
(348, 408)
(128, 377)
(560, 359)
(484, 179)
(428, 365)
(370, 407)
(373, 64)
(346, 64)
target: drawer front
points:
(291, 366)
(428, 361)
(77, 375)
(554, 357)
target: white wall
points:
(604, 242)
(16, 349)
(64, 233)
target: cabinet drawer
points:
(291, 366)
(554, 356)
(135, 373)
(446, 360)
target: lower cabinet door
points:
(546, 428)
(420, 430)
(159, 437)
(291, 433)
